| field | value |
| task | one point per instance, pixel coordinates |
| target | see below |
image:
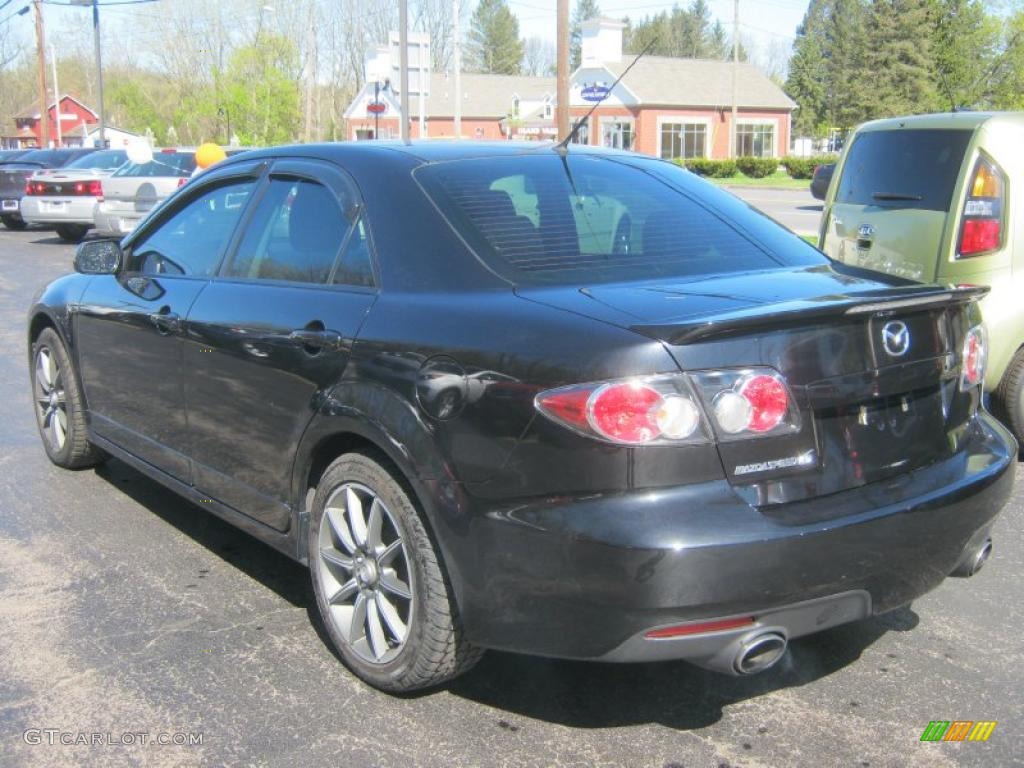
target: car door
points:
(129, 325)
(273, 332)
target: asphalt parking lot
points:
(126, 610)
(793, 208)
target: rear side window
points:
(295, 234)
(104, 160)
(540, 220)
(903, 168)
(174, 164)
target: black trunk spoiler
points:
(810, 311)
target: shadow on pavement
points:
(818, 207)
(570, 693)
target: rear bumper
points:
(74, 211)
(117, 222)
(587, 577)
(10, 207)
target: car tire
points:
(1008, 400)
(72, 233)
(369, 549)
(13, 223)
(59, 407)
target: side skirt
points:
(281, 541)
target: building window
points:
(683, 140)
(755, 140)
(582, 135)
(617, 134)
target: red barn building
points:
(72, 115)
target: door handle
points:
(166, 322)
(316, 339)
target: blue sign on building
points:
(594, 92)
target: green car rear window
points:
(914, 168)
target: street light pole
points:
(44, 113)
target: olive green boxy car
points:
(936, 198)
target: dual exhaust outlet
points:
(747, 654)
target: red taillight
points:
(682, 630)
(633, 412)
(979, 235)
(95, 188)
(28, 187)
(973, 358)
(625, 412)
(981, 229)
(666, 409)
(182, 181)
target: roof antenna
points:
(563, 146)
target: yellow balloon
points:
(208, 154)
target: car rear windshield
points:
(104, 160)
(53, 158)
(177, 164)
(588, 219)
(915, 168)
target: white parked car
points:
(135, 189)
(66, 197)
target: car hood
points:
(669, 302)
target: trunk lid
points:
(874, 367)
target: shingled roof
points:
(698, 83)
(483, 95)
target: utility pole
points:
(310, 75)
(562, 80)
(44, 113)
(56, 94)
(735, 74)
(99, 62)
(457, 63)
(403, 59)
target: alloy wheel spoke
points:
(357, 625)
(389, 552)
(51, 369)
(390, 581)
(334, 557)
(43, 369)
(391, 618)
(354, 508)
(41, 382)
(345, 591)
(374, 525)
(378, 641)
(339, 526)
(59, 424)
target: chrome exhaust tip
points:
(974, 561)
(759, 653)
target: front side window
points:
(295, 234)
(193, 239)
(755, 140)
(617, 134)
(683, 140)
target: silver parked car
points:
(131, 192)
(66, 197)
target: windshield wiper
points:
(895, 196)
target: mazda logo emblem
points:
(896, 338)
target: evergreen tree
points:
(493, 43)
(850, 86)
(689, 32)
(964, 44)
(808, 79)
(900, 62)
(585, 10)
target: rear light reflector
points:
(974, 358)
(748, 403)
(681, 630)
(981, 223)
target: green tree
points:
(690, 33)
(259, 91)
(850, 85)
(808, 80)
(493, 43)
(1007, 72)
(585, 10)
(900, 65)
(964, 43)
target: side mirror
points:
(98, 257)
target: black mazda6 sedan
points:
(575, 403)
